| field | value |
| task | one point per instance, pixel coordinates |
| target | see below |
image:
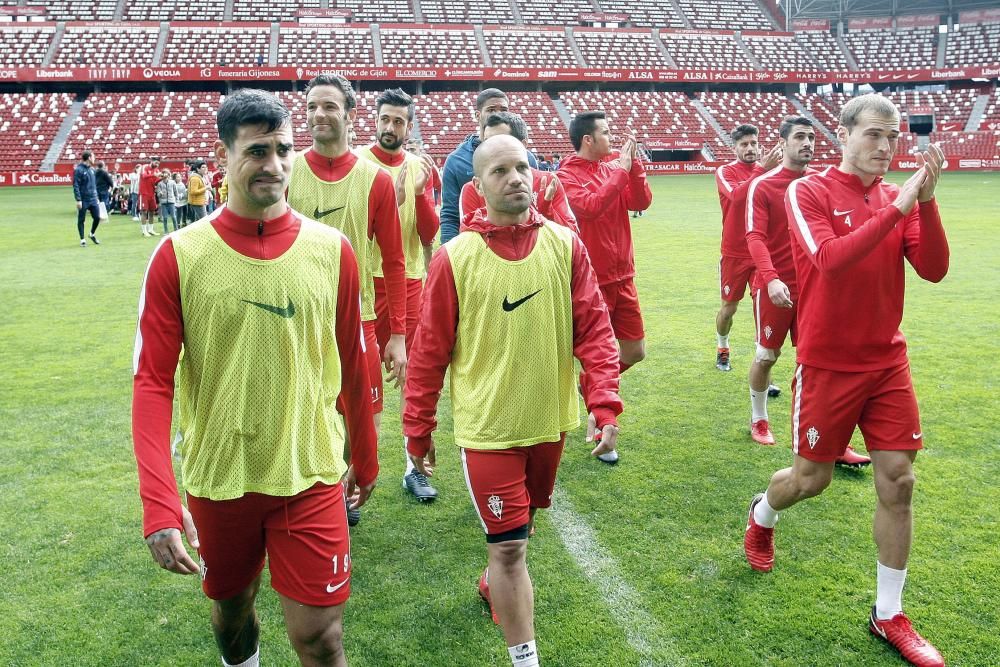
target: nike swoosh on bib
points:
(317, 214)
(509, 306)
(286, 312)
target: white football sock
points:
(763, 514)
(723, 340)
(758, 405)
(252, 661)
(406, 453)
(523, 655)
(889, 592)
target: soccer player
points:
(265, 304)
(331, 184)
(510, 302)
(601, 192)
(85, 193)
(148, 206)
(458, 166)
(850, 232)
(394, 111)
(547, 194)
(736, 266)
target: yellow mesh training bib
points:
(260, 374)
(512, 373)
(413, 250)
(342, 204)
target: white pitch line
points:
(643, 631)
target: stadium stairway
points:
(808, 114)
(942, 48)
(577, 53)
(161, 43)
(738, 38)
(707, 115)
(227, 12)
(418, 11)
(59, 141)
(976, 115)
(120, 10)
(680, 12)
(54, 46)
(516, 12)
(272, 51)
(564, 112)
(851, 62)
(481, 40)
(662, 48)
(377, 45)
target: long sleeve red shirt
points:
(160, 336)
(766, 228)
(601, 194)
(557, 209)
(426, 216)
(593, 339)
(848, 246)
(733, 181)
(383, 226)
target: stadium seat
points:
(705, 51)
(973, 44)
(419, 48)
(464, 12)
(780, 52)
(107, 47)
(823, 47)
(314, 47)
(28, 124)
(623, 49)
(529, 48)
(233, 47)
(905, 48)
(731, 15)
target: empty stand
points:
(705, 51)
(766, 111)
(463, 11)
(77, 10)
(905, 48)
(107, 47)
(377, 11)
(196, 47)
(554, 12)
(445, 120)
(821, 108)
(732, 15)
(24, 46)
(824, 49)
(529, 48)
(975, 44)
(343, 47)
(420, 48)
(28, 124)
(175, 10)
(991, 117)
(269, 10)
(650, 116)
(779, 52)
(645, 13)
(546, 132)
(619, 48)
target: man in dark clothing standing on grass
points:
(85, 192)
(105, 183)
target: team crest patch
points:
(496, 505)
(812, 435)
(725, 290)
(768, 331)
(203, 570)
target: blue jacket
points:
(84, 185)
(458, 172)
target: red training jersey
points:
(160, 336)
(600, 195)
(848, 246)
(593, 340)
(557, 210)
(147, 181)
(766, 228)
(733, 181)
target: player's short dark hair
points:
(249, 106)
(518, 128)
(100, 164)
(85, 155)
(395, 97)
(487, 95)
(338, 82)
(198, 164)
(790, 122)
(583, 124)
(744, 130)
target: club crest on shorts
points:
(768, 331)
(725, 290)
(496, 505)
(812, 435)
(203, 570)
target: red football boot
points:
(851, 459)
(899, 633)
(760, 431)
(484, 593)
(758, 542)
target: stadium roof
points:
(842, 9)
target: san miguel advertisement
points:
(479, 73)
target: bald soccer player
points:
(510, 302)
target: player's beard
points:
(390, 144)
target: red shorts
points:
(414, 297)
(773, 323)
(827, 405)
(622, 301)
(735, 273)
(148, 204)
(374, 357)
(304, 536)
(506, 483)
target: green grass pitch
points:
(80, 588)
